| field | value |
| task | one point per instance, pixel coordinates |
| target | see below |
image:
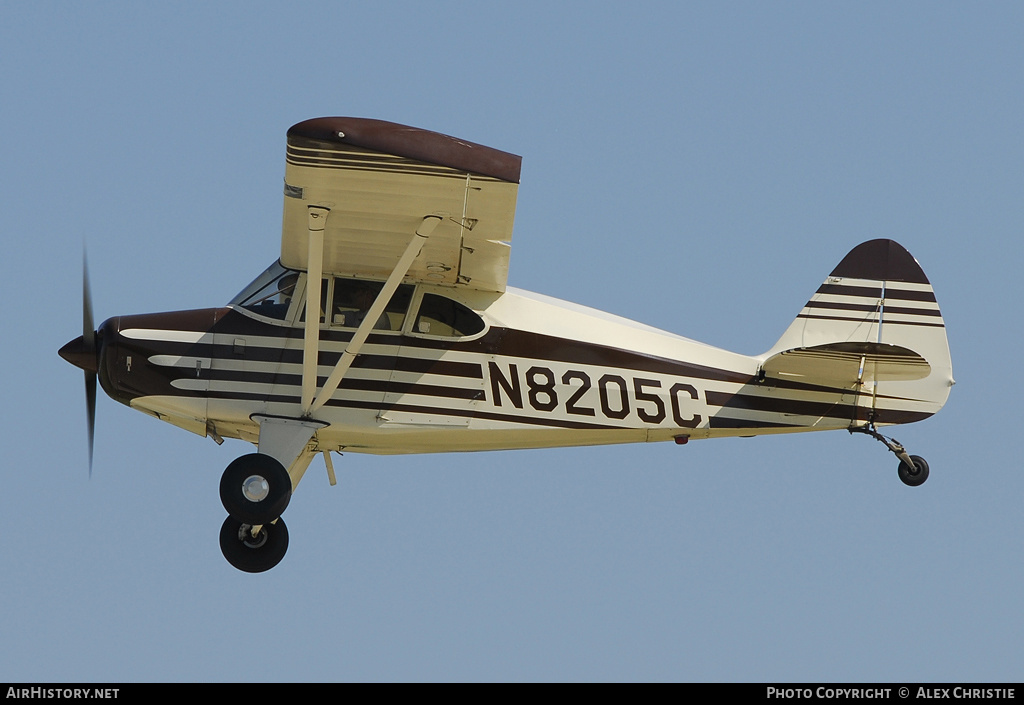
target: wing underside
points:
(379, 181)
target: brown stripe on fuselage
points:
(729, 422)
(508, 342)
(383, 386)
(497, 341)
(428, 410)
(545, 348)
(830, 409)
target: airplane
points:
(386, 326)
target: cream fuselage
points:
(542, 373)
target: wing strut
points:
(317, 218)
(363, 331)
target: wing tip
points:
(411, 143)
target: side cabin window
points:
(349, 300)
(345, 303)
(352, 298)
(270, 294)
(441, 316)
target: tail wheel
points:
(249, 553)
(255, 489)
(914, 476)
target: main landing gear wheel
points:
(253, 554)
(914, 476)
(255, 489)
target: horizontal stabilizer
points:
(847, 364)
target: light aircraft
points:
(386, 326)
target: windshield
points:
(270, 294)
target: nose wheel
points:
(255, 489)
(913, 469)
(253, 549)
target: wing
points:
(380, 179)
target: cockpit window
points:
(352, 299)
(441, 316)
(270, 294)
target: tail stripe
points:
(862, 303)
(875, 292)
(904, 295)
(888, 321)
(843, 306)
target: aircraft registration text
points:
(616, 396)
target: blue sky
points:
(699, 167)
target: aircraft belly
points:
(188, 413)
(403, 438)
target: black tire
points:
(914, 476)
(253, 555)
(262, 511)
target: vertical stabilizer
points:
(874, 328)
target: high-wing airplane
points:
(386, 326)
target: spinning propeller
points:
(84, 352)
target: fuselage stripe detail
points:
(165, 336)
(387, 386)
(427, 410)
